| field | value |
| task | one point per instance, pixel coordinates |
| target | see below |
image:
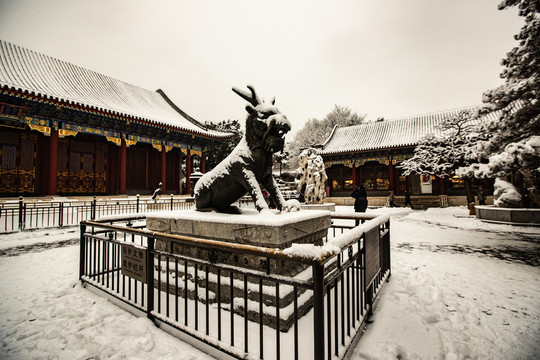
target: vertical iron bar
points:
(329, 321)
(342, 281)
(347, 276)
(245, 314)
(119, 268)
(21, 213)
(93, 209)
(150, 277)
(218, 298)
(196, 296)
(185, 293)
(159, 284)
(176, 289)
(231, 280)
(336, 318)
(318, 311)
(261, 331)
(167, 277)
(278, 338)
(107, 255)
(113, 264)
(296, 322)
(82, 256)
(207, 305)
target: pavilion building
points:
(68, 130)
(368, 154)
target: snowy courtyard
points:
(459, 289)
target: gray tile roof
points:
(401, 132)
(46, 77)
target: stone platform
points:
(512, 216)
(325, 206)
(266, 229)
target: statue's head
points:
(266, 126)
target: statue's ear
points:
(250, 109)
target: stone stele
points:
(278, 230)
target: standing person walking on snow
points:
(408, 199)
(360, 202)
(391, 199)
(481, 196)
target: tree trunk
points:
(470, 195)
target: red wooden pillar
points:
(123, 166)
(391, 175)
(354, 174)
(163, 168)
(188, 171)
(53, 161)
(203, 162)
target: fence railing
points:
(21, 215)
(239, 311)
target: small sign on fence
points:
(373, 262)
(134, 262)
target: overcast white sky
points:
(383, 58)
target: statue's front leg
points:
(252, 186)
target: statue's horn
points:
(252, 98)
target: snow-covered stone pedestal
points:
(266, 229)
(514, 216)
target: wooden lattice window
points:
(136, 168)
(27, 154)
(88, 163)
(75, 162)
(9, 157)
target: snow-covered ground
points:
(459, 289)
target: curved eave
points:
(356, 151)
(69, 104)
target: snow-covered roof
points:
(46, 77)
(400, 132)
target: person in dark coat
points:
(481, 196)
(408, 199)
(391, 199)
(361, 201)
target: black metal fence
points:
(239, 311)
(21, 215)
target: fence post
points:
(21, 213)
(172, 202)
(61, 214)
(93, 209)
(82, 256)
(150, 277)
(137, 203)
(318, 311)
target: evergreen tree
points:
(513, 147)
(315, 131)
(217, 151)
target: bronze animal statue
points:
(248, 168)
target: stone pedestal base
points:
(272, 230)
